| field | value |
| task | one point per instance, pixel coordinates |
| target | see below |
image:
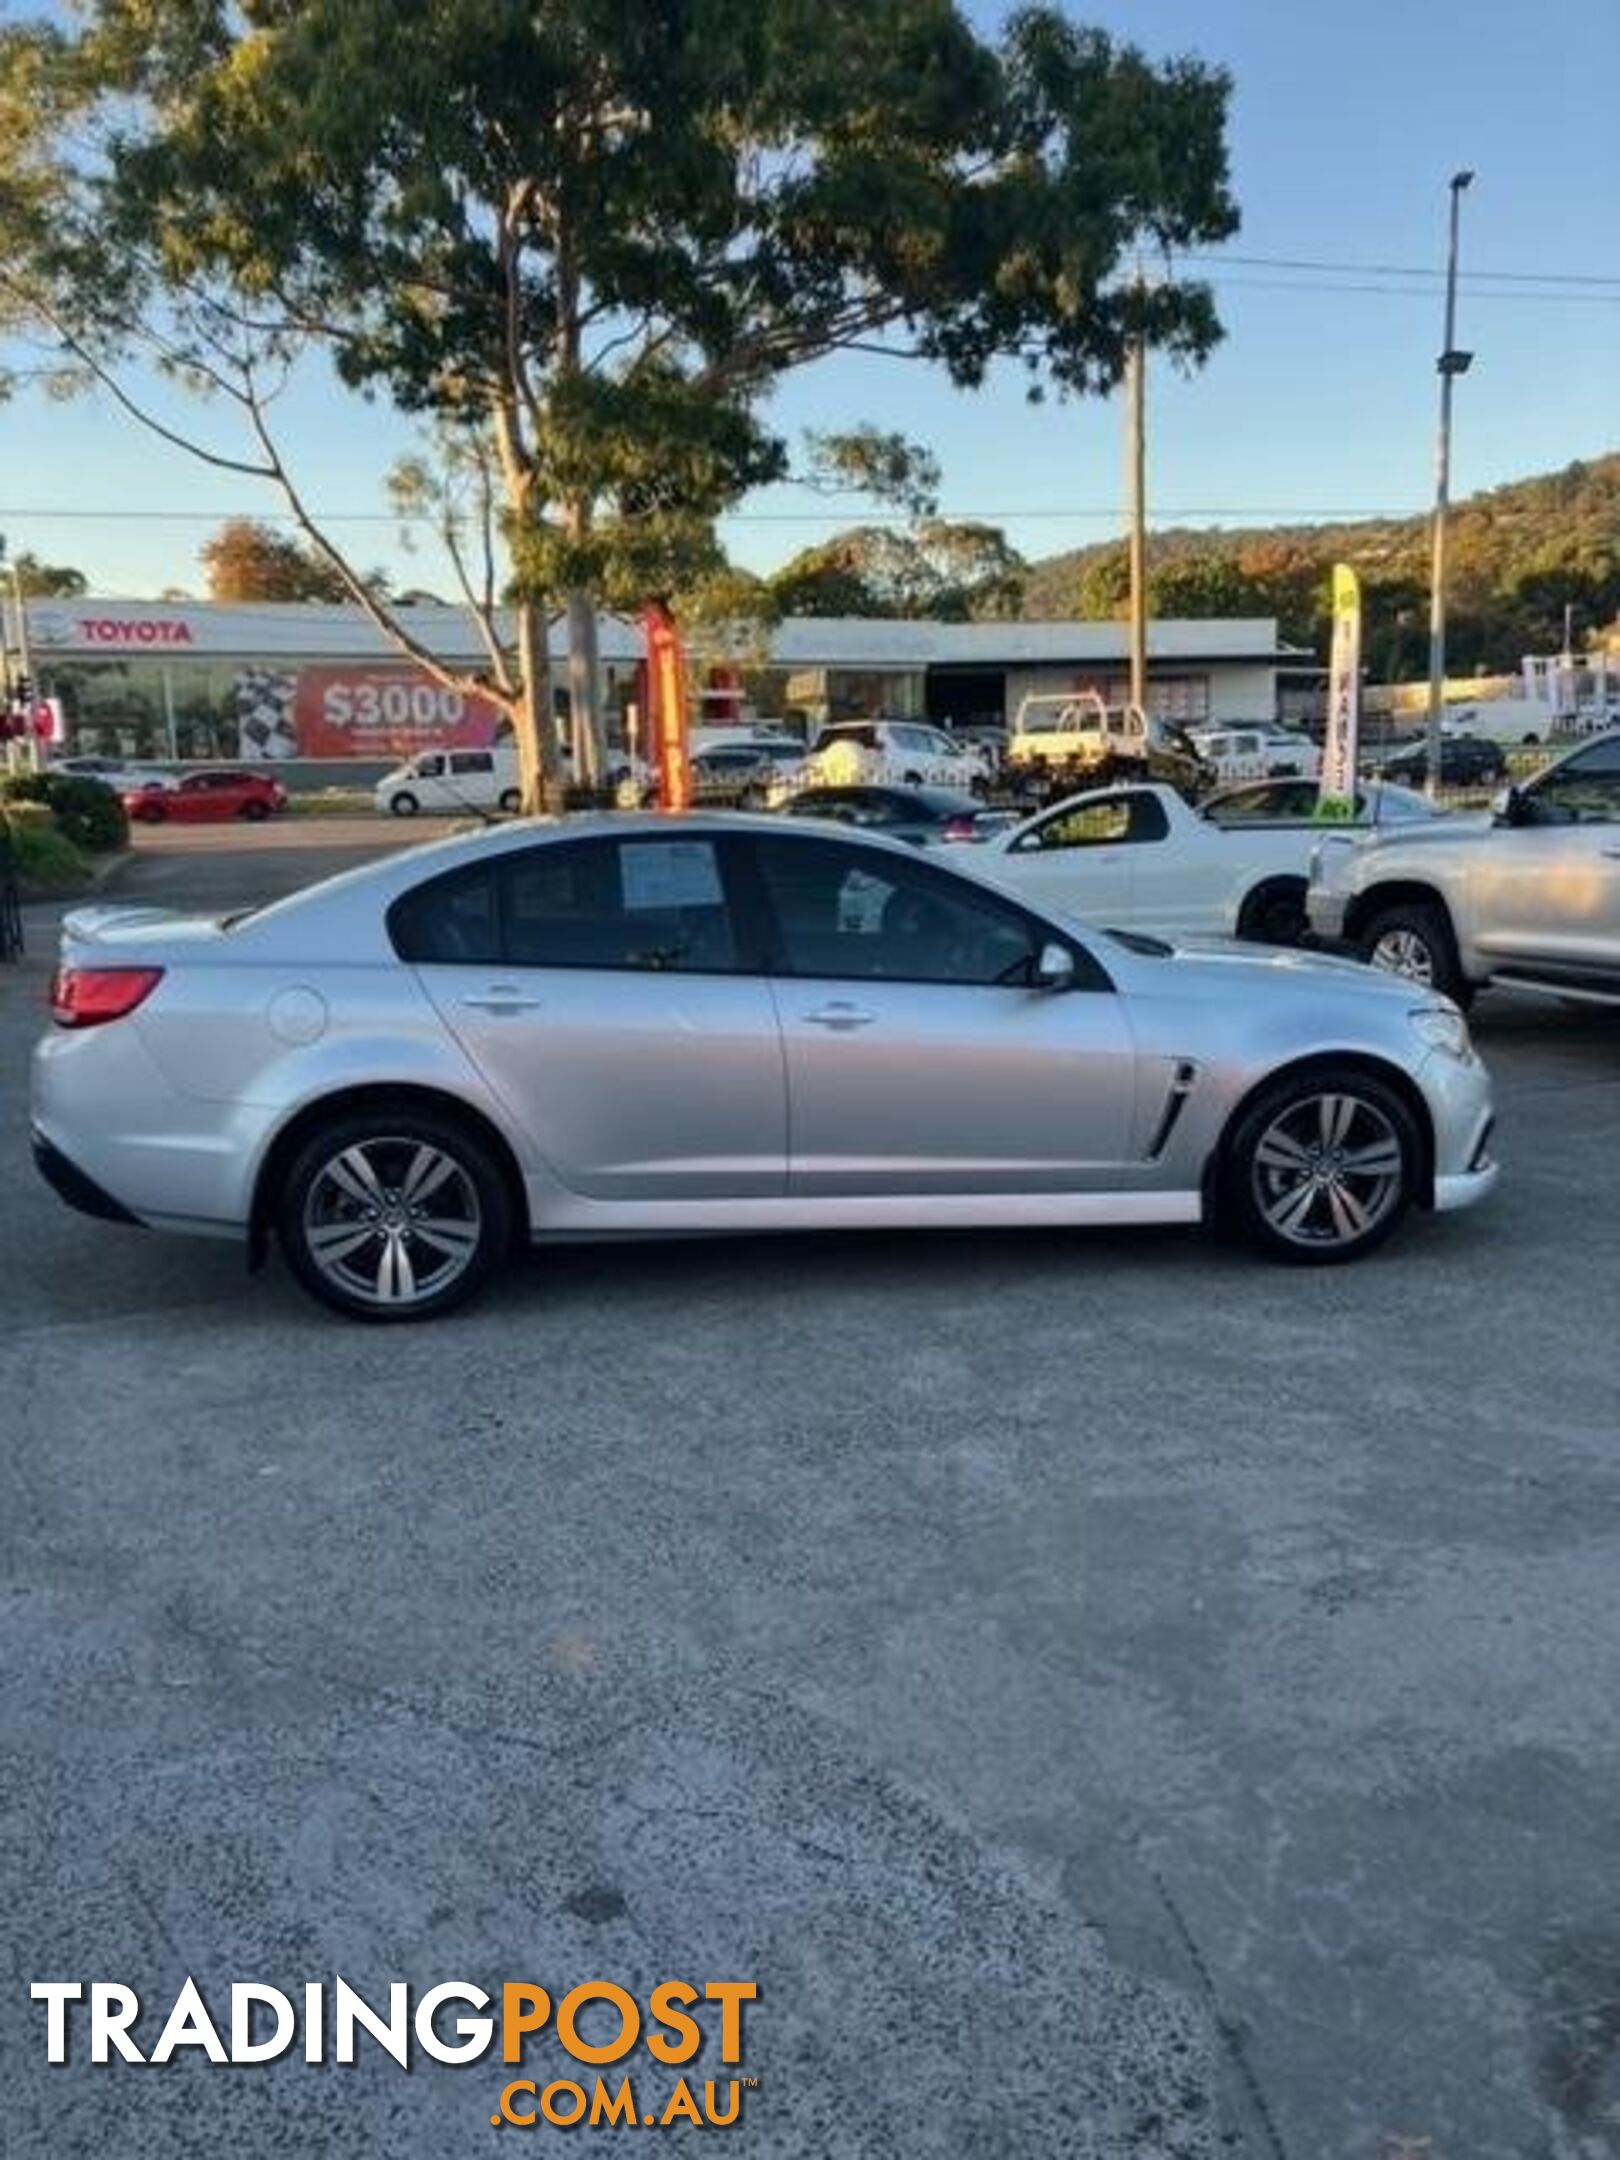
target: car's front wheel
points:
(404, 803)
(1413, 938)
(394, 1214)
(1321, 1167)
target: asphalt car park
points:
(1113, 1696)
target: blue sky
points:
(1345, 126)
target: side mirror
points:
(1054, 967)
(1507, 805)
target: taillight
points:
(965, 827)
(85, 997)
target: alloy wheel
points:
(1328, 1170)
(1406, 953)
(392, 1221)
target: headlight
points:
(1442, 1027)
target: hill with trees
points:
(1518, 555)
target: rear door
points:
(614, 999)
(920, 1057)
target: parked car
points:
(1264, 802)
(190, 798)
(112, 772)
(724, 775)
(610, 1026)
(451, 780)
(1138, 857)
(1465, 761)
(1256, 752)
(1069, 740)
(1531, 898)
(873, 753)
(927, 817)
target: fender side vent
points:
(1174, 1103)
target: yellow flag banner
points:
(1336, 797)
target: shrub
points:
(88, 814)
(44, 858)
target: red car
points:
(199, 795)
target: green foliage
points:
(83, 811)
(945, 571)
(1517, 555)
(44, 858)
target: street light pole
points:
(1450, 364)
(1136, 499)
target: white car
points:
(1257, 753)
(875, 753)
(451, 780)
(1378, 802)
(1137, 858)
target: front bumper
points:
(1458, 1092)
(1325, 912)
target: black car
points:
(925, 816)
(1465, 761)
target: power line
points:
(1410, 292)
(737, 517)
(1415, 270)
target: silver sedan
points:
(647, 1026)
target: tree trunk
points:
(539, 768)
(584, 695)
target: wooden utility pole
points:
(1136, 496)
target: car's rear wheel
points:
(511, 800)
(1413, 939)
(394, 1214)
(254, 811)
(151, 813)
(1322, 1166)
(404, 803)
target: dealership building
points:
(192, 679)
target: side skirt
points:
(575, 1218)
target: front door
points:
(606, 991)
(1549, 889)
(920, 1056)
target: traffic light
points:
(22, 693)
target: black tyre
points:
(1321, 1167)
(404, 804)
(1413, 939)
(151, 813)
(255, 812)
(394, 1214)
(1274, 913)
(511, 801)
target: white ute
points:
(1136, 857)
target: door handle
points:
(502, 998)
(840, 1016)
(1611, 854)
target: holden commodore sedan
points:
(641, 1026)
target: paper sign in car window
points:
(670, 874)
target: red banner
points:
(666, 672)
(381, 712)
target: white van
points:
(450, 780)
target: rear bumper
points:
(76, 1186)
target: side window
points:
(450, 921)
(429, 768)
(653, 904)
(846, 911)
(1584, 790)
(470, 761)
(1107, 822)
